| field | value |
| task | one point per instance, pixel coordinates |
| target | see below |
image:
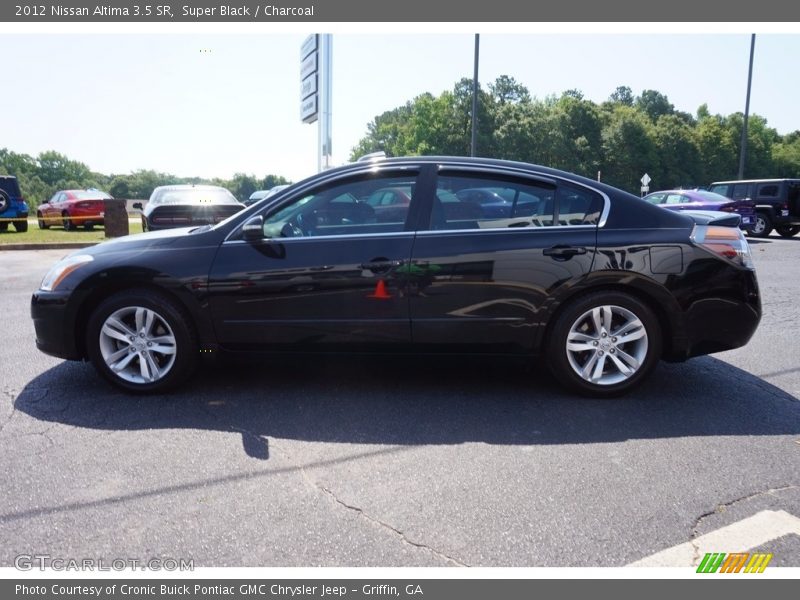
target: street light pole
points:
(474, 145)
(743, 152)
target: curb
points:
(52, 246)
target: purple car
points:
(703, 200)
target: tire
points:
(68, 225)
(21, 225)
(3, 225)
(5, 202)
(125, 329)
(42, 223)
(762, 225)
(788, 231)
(575, 328)
(88, 226)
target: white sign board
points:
(646, 180)
(309, 46)
(308, 109)
(309, 67)
(308, 86)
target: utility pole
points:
(474, 145)
(743, 152)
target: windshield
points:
(195, 196)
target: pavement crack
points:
(402, 536)
(11, 394)
(721, 508)
(365, 515)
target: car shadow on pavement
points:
(415, 401)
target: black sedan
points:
(586, 278)
(183, 205)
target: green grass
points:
(34, 235)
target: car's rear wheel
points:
(3, 225)
(762, 226)
(141, 341)
(788, 231)
(68, 226)
(5, 202)
(21, 225)
(42, 223)
(604, 344)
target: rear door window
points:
(741, 191)
(768, 190)
(496, 202)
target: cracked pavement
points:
(403, 462)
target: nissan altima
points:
(578, 275)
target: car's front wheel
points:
(21, 225)
(67, 221)
(604, 344)
(762, 226)
(141, 341)
(42, 223)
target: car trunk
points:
(182, 215)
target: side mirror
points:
(137, 205)
(253, 229)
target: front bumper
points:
(51, 318)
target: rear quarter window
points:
(768, 190)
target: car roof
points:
(476, 162)
(755, 180)
(190, 186)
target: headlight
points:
(61, 269)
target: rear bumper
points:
(716, 323)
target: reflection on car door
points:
(340, 282)
(484, 280)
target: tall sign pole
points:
(743, 152)
(325, 129)
(316, 62)
(474, 144)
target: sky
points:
(199, 103)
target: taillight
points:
(727, 242)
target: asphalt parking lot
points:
(403, 462)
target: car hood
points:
(140, 242)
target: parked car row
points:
(777, 203)
(762, 204)
(476, 255)
(681, 200)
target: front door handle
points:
(564, 252)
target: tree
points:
(679, 162)
(506, 90)
(629, 148)
(654, 104)
(622, 95)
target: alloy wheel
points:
(606, 345)
(137, 344)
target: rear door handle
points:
(564, 251)
(380, 265)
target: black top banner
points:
(443, 11)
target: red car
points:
(72, 209)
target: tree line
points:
(621, 138)
(41, 176)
